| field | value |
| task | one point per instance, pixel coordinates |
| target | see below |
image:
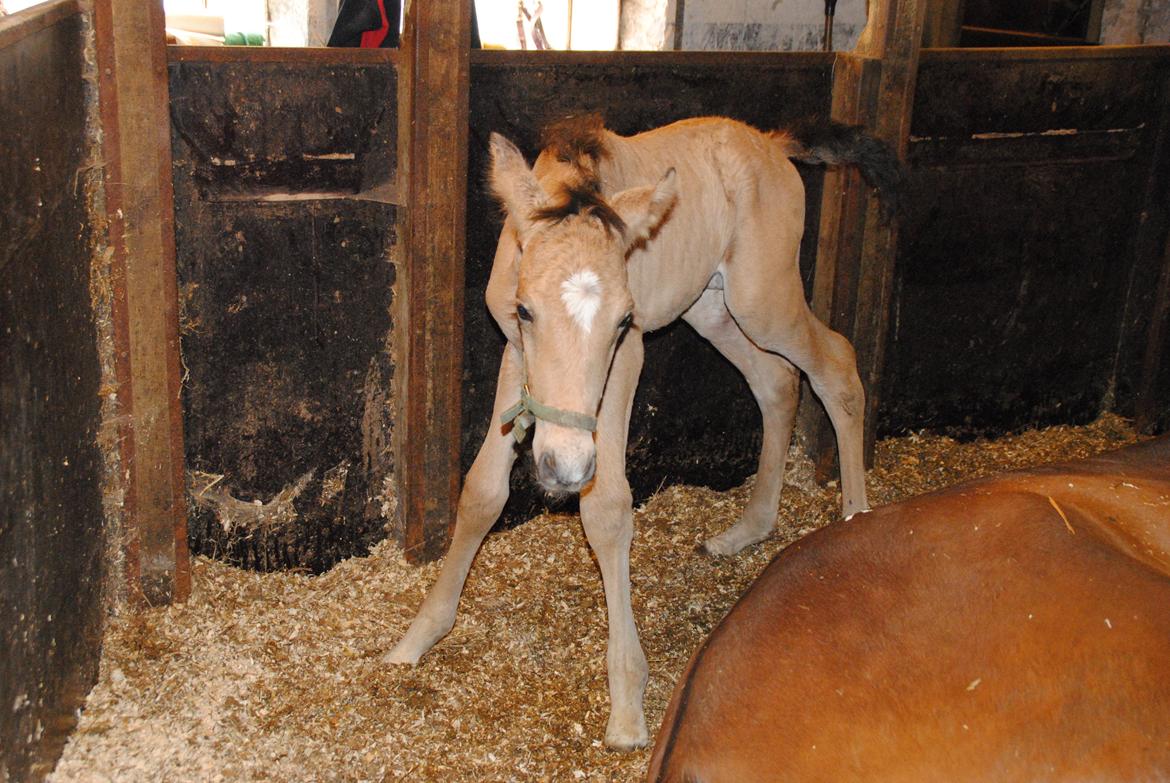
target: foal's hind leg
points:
(776, 317)
(775, 383)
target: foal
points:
(590, 258)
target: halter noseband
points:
(524, 414)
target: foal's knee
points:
(605, 514)
(482, 498)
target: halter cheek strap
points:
(524, 414)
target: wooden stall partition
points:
(1153, 401)
(131, 60)
(286, 192)
(53, 472)
(1033, 238)
(1143, 367)
(873, 87)
(433, 87)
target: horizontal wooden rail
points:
(22, 24)
(1019, 54)
(280, 54)
(517, 58)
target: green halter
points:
(524, 414)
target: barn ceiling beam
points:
(433, 101)
(136, 145)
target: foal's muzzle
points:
(562, 476)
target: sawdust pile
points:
(277, 677)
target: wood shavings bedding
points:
(277, 676)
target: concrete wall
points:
(768, 25)
(1135, 22)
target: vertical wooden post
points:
(433, 105)
(1151, 250)
(1157, 338)
(874, 87)
(136, 142)
(944, 23)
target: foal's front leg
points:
(485, 490)
(607, 515)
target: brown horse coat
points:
(1014, 628)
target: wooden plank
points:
(433, 100)
(137, 147)
(278, 54)
(972, 35)
(944, 20)
(1151, 322)
(1149, 413)
(53, 532)
(981, 96)
(1014, 54)
(842, 226)
(499, 58)
(20, 25)
(855, 267)
(898, 50)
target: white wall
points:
(768, 25)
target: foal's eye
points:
(626, 322)
(523, 314)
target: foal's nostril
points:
(546, 470)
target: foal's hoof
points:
(733, 540)
(625, 740)
(402, 654)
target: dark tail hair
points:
(836, 144)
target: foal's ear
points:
(514, 184)
(643, 209)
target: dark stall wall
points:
(694, 418)
(286, 261)
(1030, 247)
(51, 469)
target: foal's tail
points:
(835, 144)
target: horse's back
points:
(1007, 629)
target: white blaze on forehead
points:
(581, 294)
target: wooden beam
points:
(874, 87)
(1147, 411)
(944, 22)
(1152, 226)
(433, 100)
(844, 203)
(898, 52)
(281, 54)
(132, 66)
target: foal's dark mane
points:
(581, 200)
(579, 141)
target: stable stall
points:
(243, 303)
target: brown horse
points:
(607, 238)
(1009, 629)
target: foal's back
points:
(737, 185)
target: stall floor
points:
(278, 676)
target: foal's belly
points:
(663, 290)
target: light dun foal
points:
(607, 238)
